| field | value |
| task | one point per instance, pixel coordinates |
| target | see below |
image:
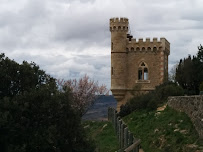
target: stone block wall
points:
(142, 62)
(192, 106)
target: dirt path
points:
(161, 108)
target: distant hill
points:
(100, 108)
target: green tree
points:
(185, 74)
(41, 120)
(201, 86)
(16, 79)
(189, 73)
(37, 117)
(200, 53)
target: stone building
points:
(141, 63)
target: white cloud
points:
(69, 38)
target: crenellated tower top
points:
(135, 62)
(119, 24)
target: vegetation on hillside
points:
(16, 79)
(189, 72)
(166, 131)
(34, 115)
(103, 134)
(201, 87)
(151, 100)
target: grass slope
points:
(103, 134)
(166, 131)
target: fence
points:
(127, 142)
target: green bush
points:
(152, 104)
(138, 102)
(125, 109)
(34, 115)
(201, 87)
(41, 120)
(151, 100)
(165, 90)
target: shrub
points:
(42, 120)
(201, 87)
(138, 102)
(153, 99)
(152, 104)
(165, 90)
(125, 109)
(34, 115)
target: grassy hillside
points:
(166, 131)
(103, 134)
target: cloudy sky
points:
(70, 38)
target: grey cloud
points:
(59, 66)
(69, 38)
(18, 28)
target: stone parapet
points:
(118, 24)
(147, 45)
(192, 106)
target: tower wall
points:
(130, 57)
(119, 29)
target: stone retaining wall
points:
(192, 106)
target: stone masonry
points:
(192, 106)
(142, 63)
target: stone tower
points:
(135, 62)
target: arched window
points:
(140, 74)
(154, 49)
(137, 49)
(143, 71)
(148, 49)
(145, 74)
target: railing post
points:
(126, 137)
(122, 134)
(136, 148)
(130, 139)
(127, 142)
(119, 131)
(113, 117)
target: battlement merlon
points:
(163, 43)
(119, 24)
(116, 19)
